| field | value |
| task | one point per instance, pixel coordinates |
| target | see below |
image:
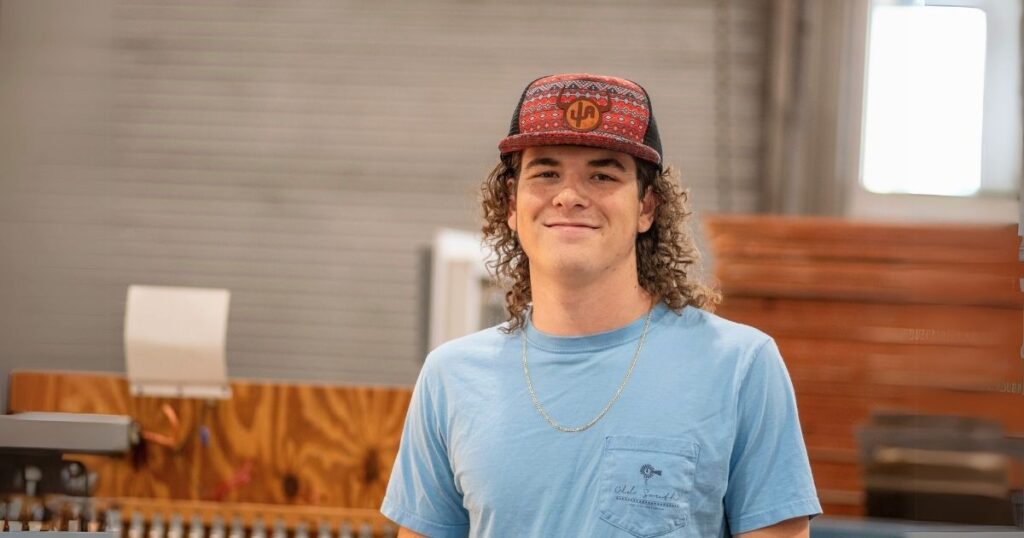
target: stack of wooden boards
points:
(878, 317)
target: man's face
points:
(577, 210)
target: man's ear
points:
(512, 222)
(648, 205)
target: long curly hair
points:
(666, 254)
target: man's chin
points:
(573, 266)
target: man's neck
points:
(577, 307)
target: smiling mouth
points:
(566, 225)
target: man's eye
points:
(549, 173)
(604, 177)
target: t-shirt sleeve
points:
(769, 472)
(421, 494)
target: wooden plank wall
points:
(337, 443)
(870, 316)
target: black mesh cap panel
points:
(513, 129)
(651, 137)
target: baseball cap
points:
(585, 110)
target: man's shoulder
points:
(486, 343)
(712, 326)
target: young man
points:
(612, 403)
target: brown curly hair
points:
(666, 254)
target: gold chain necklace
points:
(574, 429)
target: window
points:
(925, 85)
(941, 108)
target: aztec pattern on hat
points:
(584, 109)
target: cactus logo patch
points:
(582, 115)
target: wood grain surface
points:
(314, 445)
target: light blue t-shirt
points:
(704, 441)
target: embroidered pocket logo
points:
(648, 471)
(657, 500)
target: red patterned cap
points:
(585, 110)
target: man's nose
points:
(572, 192)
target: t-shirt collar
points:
(591, 342)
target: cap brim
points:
(522, 141)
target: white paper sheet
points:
(174, 341)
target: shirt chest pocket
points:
(646, 483)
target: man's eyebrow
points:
(542, 161)
(598, 163)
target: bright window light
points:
(924, 102)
